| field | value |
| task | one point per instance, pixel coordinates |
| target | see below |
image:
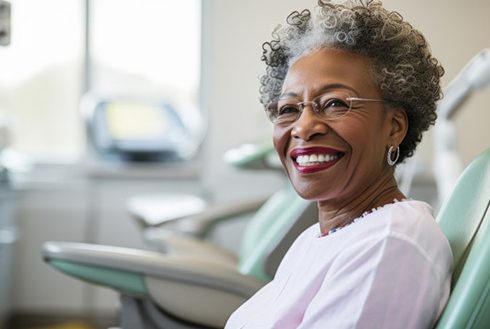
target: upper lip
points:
(296, 152)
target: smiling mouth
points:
(316, 159)
(310, 160)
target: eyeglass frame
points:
(316, 107)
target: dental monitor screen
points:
(136, 130)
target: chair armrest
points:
(182, 269)
(157, 208)
(200, 223)
(197, 291)
(171, 242)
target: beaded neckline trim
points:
(364, 214)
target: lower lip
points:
(314, 168)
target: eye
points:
(288, 109)
(336, 103)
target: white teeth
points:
(312, 159)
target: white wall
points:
(456, 30)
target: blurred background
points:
(73, 73)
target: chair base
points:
(137, 313)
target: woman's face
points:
(350, 151)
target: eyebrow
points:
(323, 89)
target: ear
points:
(398, 126)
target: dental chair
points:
(465, 220)
(197, 288)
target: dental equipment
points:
(447, 163)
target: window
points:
(41, 77)
(139, 49)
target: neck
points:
(335, 213)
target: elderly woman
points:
(350, 90)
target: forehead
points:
(314, 71)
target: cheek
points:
(280, 138)
(367, 143)
(362, 133)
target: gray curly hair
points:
(403, 67)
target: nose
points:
(308, 125)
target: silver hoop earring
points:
(389, 157)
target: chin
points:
(307, 193)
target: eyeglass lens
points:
(329, 105)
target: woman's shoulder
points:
(405, 217)
(409, 219)
(411, 222)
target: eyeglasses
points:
(331, 105)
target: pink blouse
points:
(390, 269)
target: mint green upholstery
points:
(278, 214)
(465, 220)
(127, 282)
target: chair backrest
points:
(272, 230)
(275, 226)
(465, 220)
